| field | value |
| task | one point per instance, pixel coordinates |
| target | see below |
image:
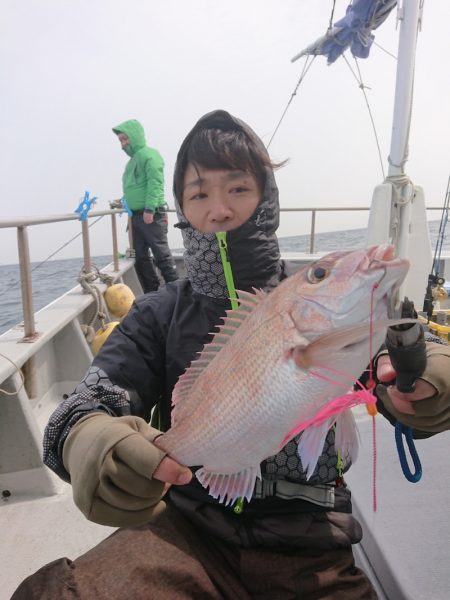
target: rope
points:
(3, 391)
(305, 70)
(384, 49)
(400, 430)
(398, 182)
(86, 281)
(363, 88)
(330, 24)
(294, 93)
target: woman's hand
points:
(402, 401)
(171, 472)
(427, 409)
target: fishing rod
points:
(435, 278)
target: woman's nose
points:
(220, 210)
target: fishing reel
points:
(407, 350)
(435, 291)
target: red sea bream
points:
(254, 386)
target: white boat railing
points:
(22, 224)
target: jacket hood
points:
(252, 248)
(135, 132)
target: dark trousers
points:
(170, 559)
(153, 237)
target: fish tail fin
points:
(228, 488)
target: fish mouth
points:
(383, 253)
(383, 257)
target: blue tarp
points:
(353, 31)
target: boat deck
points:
(407, 539)
(405, 544)
(40, 530)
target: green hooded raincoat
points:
(143, 179)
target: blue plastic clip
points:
(126, 207)
(400, 430)
(85, 206)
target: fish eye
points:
(316, 274)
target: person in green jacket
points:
(143, 189)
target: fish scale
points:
(240, 375)
(252, 386)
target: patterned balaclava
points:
(253, 247)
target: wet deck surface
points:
(35, 532)
(407, 539)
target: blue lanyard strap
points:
(401, 430)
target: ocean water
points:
(49, 281)
(53, 278)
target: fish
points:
(256, 385)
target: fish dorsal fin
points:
(231, 323)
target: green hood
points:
(135, 132)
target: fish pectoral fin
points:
(324, 346)
(228, 488)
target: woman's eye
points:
(239, 190)
(316, 274)
(198, 196)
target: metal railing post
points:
(114, 242)
(86, 247)
(25, 282)
(313, 232)
(29, 368)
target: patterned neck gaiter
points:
(203, 264)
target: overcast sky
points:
(72, 69)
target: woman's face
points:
(218, 200)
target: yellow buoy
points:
(101, 335)
(119, 298)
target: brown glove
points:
(432, 415)
(111, 461)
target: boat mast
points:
(398, 213)
(409, 15)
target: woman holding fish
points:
(246, 397)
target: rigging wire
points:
(16, 283)
(330, 24)
(360, 84)
(363, 87)
(306, 68)
(384, 49)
